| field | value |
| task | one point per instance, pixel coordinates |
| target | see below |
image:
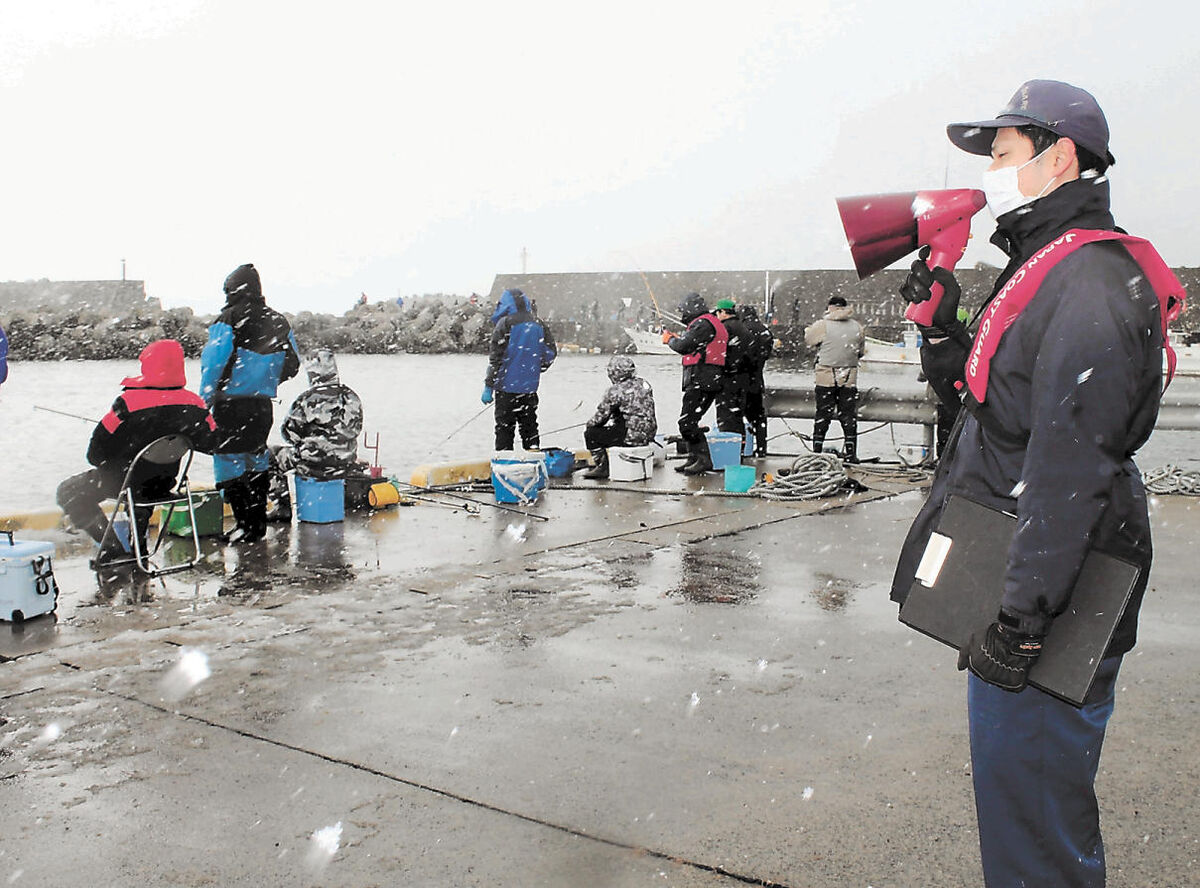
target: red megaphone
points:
(882, 228)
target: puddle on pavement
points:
(713, 572)
(832, 593)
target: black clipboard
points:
(960, 584)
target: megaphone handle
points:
(944, 251)
(922, 312)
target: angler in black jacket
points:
(251, 349)
(758, 352)
(151, 405)
(731, 402)
(1048, 432)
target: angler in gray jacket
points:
(840, 343)
(624, 418)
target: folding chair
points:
(164, 451)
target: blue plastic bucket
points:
(739, 479)
(725, 449)
(559, 462)
(518, 479)
(320, 502)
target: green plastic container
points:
(210, 514)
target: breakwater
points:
(425, 325)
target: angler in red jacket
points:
(152, 404)
(703, 347)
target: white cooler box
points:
(630, 463)
(27, 587)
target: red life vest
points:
(714, 351)
(1025, 282)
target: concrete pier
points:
(645, 689)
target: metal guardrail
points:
(913, 402)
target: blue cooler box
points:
(320, 502)
(725, 449)
(27, 587)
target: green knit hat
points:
(724, 305)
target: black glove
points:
(918, 287)
(1001, 656)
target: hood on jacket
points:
(621, 367)
(747, 313)
(691, 307)
(243, 283)
(839, 312)
(321, 367)
(162, 367)
(511, 302)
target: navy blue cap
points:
(1064, 110)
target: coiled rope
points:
(811, 476)
(1172, 479)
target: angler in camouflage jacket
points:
(323, 424)
(625, 416)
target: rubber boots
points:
(850, 449)
(760, 439)
(701, 459)
(599, 471)
(247, 498)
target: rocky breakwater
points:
(428, 325)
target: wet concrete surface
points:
(645, 689)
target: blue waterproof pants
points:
(231, 466)
(1034, 761)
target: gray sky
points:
(411, 147)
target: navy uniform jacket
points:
(1073, 393)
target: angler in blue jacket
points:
(3, 356)
(251, 349)
(522, 350)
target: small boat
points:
(646, 342)
(907, 352)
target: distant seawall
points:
(110, 297)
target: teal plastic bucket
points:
(739, 479)
(320, 502)
(725, 449)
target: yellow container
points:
(382, 495)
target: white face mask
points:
(1003, 193)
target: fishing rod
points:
(65, 413)
(663, 317)
(433, 502)
(467, 423)
(563, 429)
(475, 501)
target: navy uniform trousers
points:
(1034, 761)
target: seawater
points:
(423, 408)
